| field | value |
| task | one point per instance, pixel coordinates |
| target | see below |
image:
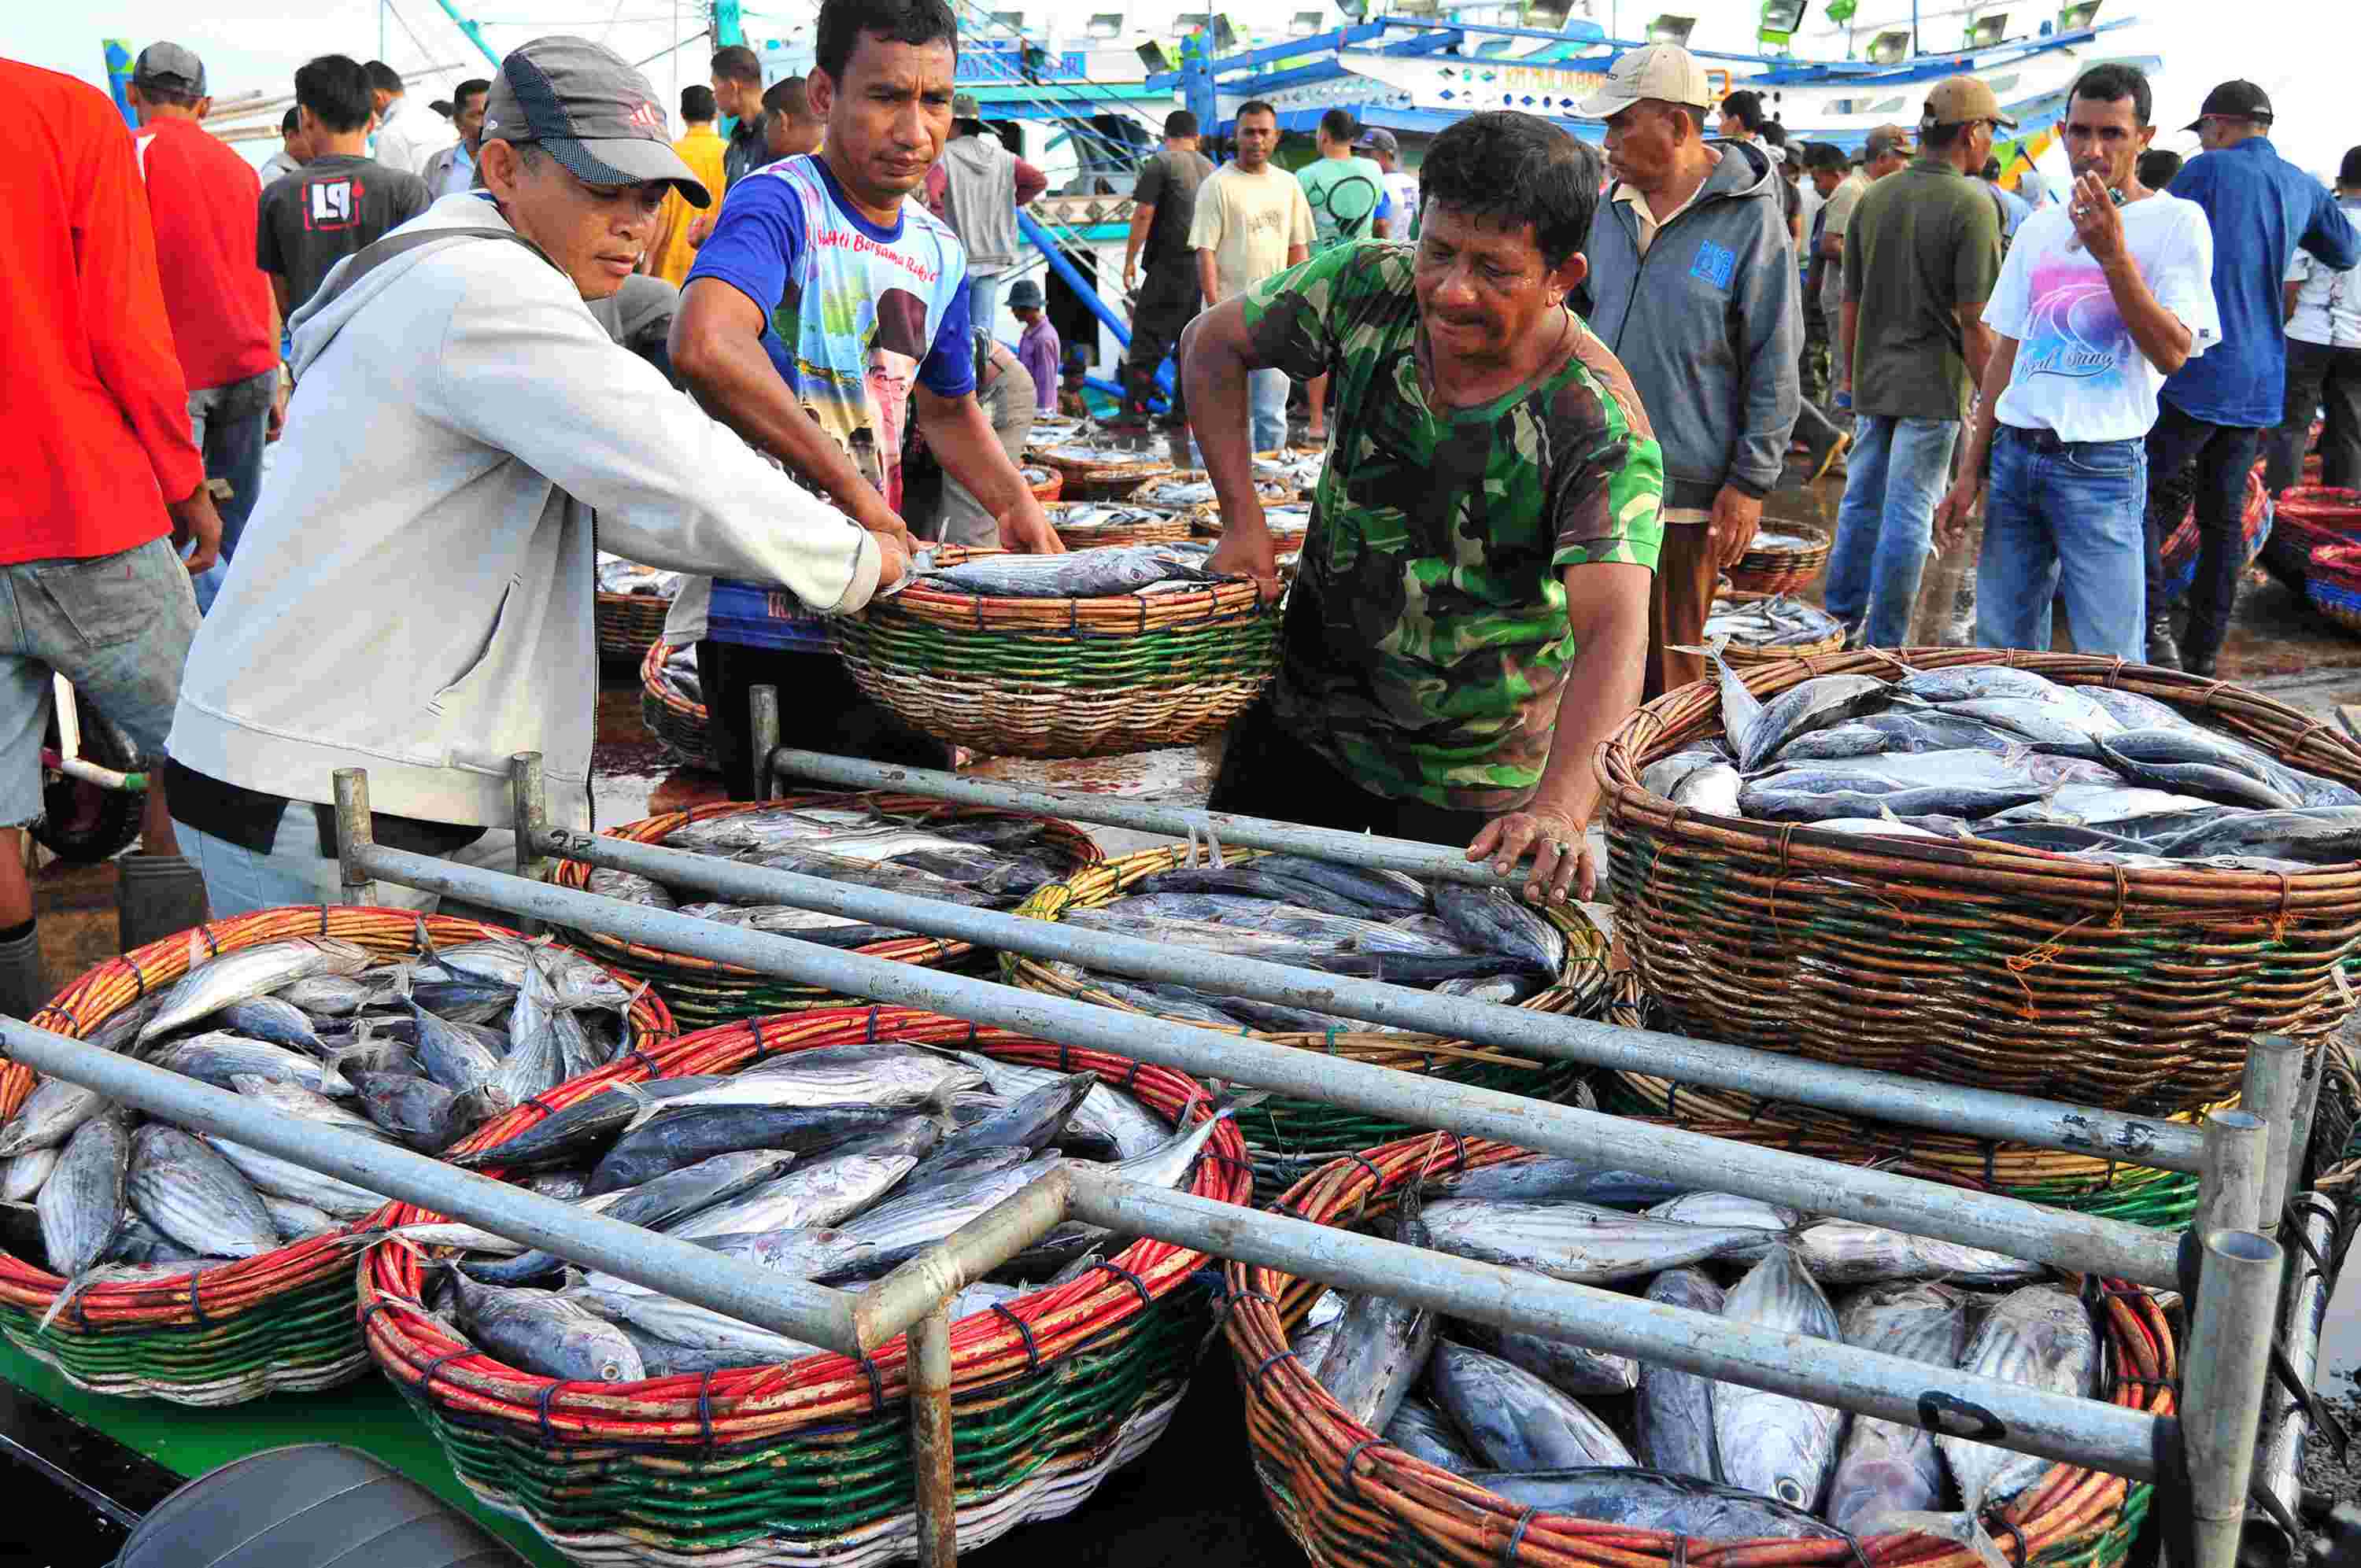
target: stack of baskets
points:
(1286, 1136)
(2179, 549)
(1081, 525)
(629, 624)
(2131, 988)
(1063, 677)
(1101, 474)
(280, 1322)
(805, 1463)
(668, 711)
(1772, 567)
(700, 992)
(2305, 521)
(1350, 1498)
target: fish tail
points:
(74, 1284)
(646, 1104)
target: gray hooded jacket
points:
(1710, 326)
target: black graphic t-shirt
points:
(326, 211)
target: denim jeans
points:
(2318, 379)
(2068, 517)
(983, 299)
(230, 426)
(1899, 469)
(1267, 396)
(238, 880)
(2223, 455)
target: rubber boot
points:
(2162, 651)
(21, 991)
(156, 896)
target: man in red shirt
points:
(99, 475)
(224, 321)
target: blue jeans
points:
(239, 881)
(1899, 469)
(1267, 397)
(231, 425)
(983, 299)
(2064, 515)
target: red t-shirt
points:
(204, 196)
(96, 413)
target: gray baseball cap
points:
(966, 106)
(590, 111)
(170, 66)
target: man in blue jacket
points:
(1693, 285)
(2219, 408)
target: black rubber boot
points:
(21, 991)
(2162, 651)
(156, 896)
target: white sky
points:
(2306, 53)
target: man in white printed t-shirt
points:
(2103, 296)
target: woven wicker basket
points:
(1765, 570)
(1046, 483)
(1743, 656)
(671, 717)
(2306, 519)
(1289, 523)
(281, 1323)
(1349, 1497)
(1190, 493)
(1981, 964)
(1047, 677)
(1288, 1136)
(701, 991)
(1100, 474)
(1083, 525)
(628, 623)
(2333, 585)
(806, 1463)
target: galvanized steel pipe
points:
(961, 1258)
(2273, 1084)
(2223, 1386)
(813, 1313)
(931, 1458)
(2081, 1243)
(1892, 1097)
(2230, 1190)
(2286, 1423)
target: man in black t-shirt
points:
(1164, 203)
(340, 201)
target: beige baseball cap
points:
(1956, 100)
(1666, 72)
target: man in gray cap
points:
(976, 187)
(1401, 210)
(419, 599)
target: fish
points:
(685, 1137)
(81, 1205)
(2329, 835)
(327, 995)
(1419, 1430)
(1675, 1412)
(2179, 774)
(2099, 806)
(421, 1112)
(271, 1175)
(294, 1100)
(802, 860)
(657, 1204)
(823, 1192)
(884, 1074)
(1726, 1208)
(1513, 1421)
(817, 1254)
(578, 981)
(1384, 891)
(1886, 1466)
(1662, 776)
(193, 1195)
(1381, 1344)
(1254, 881)
(27, 1171)
(1976, 683)
(1105, 1111)
(1914, 770)
(1028, 1123)
(2044, 723)
(562, 1138)
(631, 887)
(1410, 934)
(729, 1341)
(270, 1018)
(217, 1059)
(1310, 1345)
(1780, 1447)
(1571, 1369)
(1646, 1499)
(1712, 789)
(1894, 731)
(905, 1225)
(547, 1334)
(140, 1242)
(48, 1117)
(294, 1220)
(1741, 709)
(534, 1064)
(212, 985)
(1169, 1164)
(1846, 1252)
(1574, 1242)
(1489, 920)
(1099, 573)
(1165, 1000)
(813, 925)
(1505, 990)
(1777, 799)
(2040, 1336)
(1810, 705)
(1556, 1175)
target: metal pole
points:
(2299, 1129)
(966, 1256)
(2274, 1082)
(765, 704)
(2230, 1188)
(2077, 1242)
(355, 835)
(930, 1437)
(530, 800)
(2223, 1388)
(1891, 1097)
(796, 1308)
(2056, 1426)
(2278, 1460)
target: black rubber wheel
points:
(81, 822)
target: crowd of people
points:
(1554, 386)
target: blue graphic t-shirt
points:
(2078, 373)
(853, 315)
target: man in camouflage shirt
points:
(1471, 613)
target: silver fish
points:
(140, 1242)
(1712, 789)
(295, 1221)
(1380, 1343)
(2042, 1337)
(329, 995)
(1513, 1421)
(543, 1332)
(629, 886)
(1309, 1344)
(1886, 1466)
(294, 1100)
(1169, 1164)
(49, 1116)
(1099, 573)
(193, 1195)
(210, 986)
(26, 1172)
(1977, 682)
(1571, 1369)
(270, 1018)
(268, 1174)
(1490, 920)
(1676, 1407)
(1662, 776)
(1846, 1252)
(818, 1254)
(905, 1226)
(1573, 1241)
(216, 1059)
(1741, 709)
(2327, 835)
(1897, 731)
(1806, 706)
(578, 981)
(1389, 891)
(1554, 1175)
(680, 1323)
(822, 1193)
(1770, 1443)
(534, 1064)
(1419, 1431)
(857, 1074)
(81, 1205)
(1644, 1499)
(1726, 1208)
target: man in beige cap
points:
(1693, 280)
(1920, 257)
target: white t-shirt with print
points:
(2078, 371)
(2328, 302)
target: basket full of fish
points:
(1122, 648)
(1086, 525)
(1044, 482)
(902, 843)
(1093, 471)
(632, 603)
(628, 1427)
(1383, 1434)
(1456, 939)
(2048, 873)
(672, 702)
(1754, 629)
(1781, 558)
(144, 1260)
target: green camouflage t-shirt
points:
(1426, 636)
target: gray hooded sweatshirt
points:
(414, 592)
(1709, 325)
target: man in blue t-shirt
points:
(824, 313)
(2217, 408)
